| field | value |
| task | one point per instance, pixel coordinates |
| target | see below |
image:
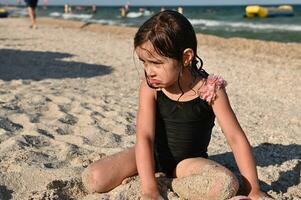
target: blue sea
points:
(223, 21)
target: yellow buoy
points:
(254, 11)
(260, 11)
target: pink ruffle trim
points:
(210, 87)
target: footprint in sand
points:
(8, 125)
(69, 119)
(61, 189)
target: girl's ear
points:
(188, 55)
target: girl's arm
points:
(238, 142)
(145, 131)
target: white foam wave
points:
(55, 14)
(248, 25)
(76, 16)
(84, 17)
(139, 14)
(134, 14)
(102, 21)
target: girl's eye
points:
(156, 63)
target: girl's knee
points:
(90, 179)
(211, 182)
(86, 179)
(222, 175)
(95, 180)
(100, 176)
(225, 185)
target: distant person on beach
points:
(122, 12)
(180, 10)
(67, 9)
(178, 104)
(31, 7)
(93, 8)
(45, 6)
(125, 9)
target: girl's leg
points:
(107, 173)
(200, 178)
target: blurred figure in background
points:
(180, 10)
(45, 4)
(125, 9)
(122, 12)
(31, 6)
(93, 8)
(67, 8)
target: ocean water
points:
(223, 21)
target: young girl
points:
(177, 107)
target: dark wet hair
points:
(171, 33)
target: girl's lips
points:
(154, 81)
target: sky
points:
(164, 2)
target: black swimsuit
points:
(183, 130)
(31, 3)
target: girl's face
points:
(161, 72)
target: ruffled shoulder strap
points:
(211, 85)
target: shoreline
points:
(68, 97)
(256, 45)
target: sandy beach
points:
(68, 97)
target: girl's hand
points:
(240, 197)
(259, 196)
(151, 197)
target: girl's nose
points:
(149, 71)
